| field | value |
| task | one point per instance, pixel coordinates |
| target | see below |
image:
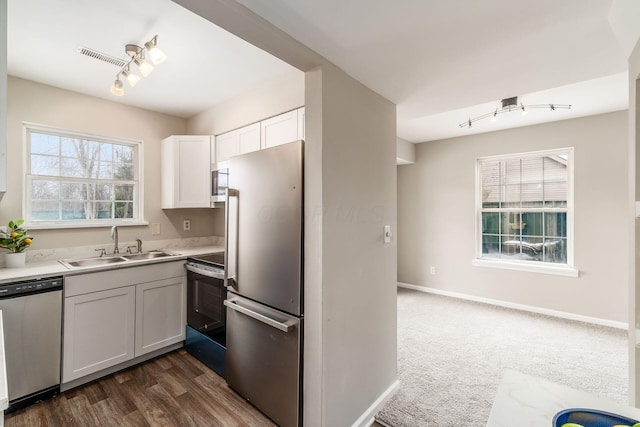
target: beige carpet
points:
(451, 355)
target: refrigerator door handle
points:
(284, 327)
(231, 246)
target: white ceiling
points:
(439, 61)
(205, 65)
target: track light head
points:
(131, 78)
(144, 67)
(156, 54)
(117, 88)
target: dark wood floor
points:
(171, 390)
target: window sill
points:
(525, 266)
(95, 224)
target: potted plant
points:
(16, 239)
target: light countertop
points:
(528, 401)
(36, 270)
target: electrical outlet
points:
(186, 225)
(3, 229)
(432, 270)
(155, 228)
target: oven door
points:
(206, 312)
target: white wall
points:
(47, 105)
(350, 292)
(406, 152)
(634, 226)
(280, 95)
(3, 97)
(436, 202)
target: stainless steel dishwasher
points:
(32, 318)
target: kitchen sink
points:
(98, 261)
(146, 255)
(91, 262)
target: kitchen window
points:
(525, 211)
(80, 180)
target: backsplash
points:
(42, 255)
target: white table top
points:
(528, 401)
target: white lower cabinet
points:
(160, 314)
(98, 331)
(111, 317)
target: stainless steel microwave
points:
(219, 181)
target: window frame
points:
(138, 196)
(567, 269)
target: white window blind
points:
(525, 207)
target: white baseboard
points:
(530, 308)
(367, 418)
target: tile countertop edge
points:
(533, 402)
(39, 270)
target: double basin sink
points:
(114, 259)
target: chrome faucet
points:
(114, 236)
(139, 242)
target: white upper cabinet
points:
(239, 141)
(186, 171)
(187, 159)
(226, 146)
(279, 129)
(249, 138)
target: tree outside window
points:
(75, 178)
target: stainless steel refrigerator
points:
(265, 289)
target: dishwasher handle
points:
(284, 327)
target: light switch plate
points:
(387, 233)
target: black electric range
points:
(206, 313)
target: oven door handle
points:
(284, 327)
(204, 272)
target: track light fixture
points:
(509, 105)
(138, 56)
